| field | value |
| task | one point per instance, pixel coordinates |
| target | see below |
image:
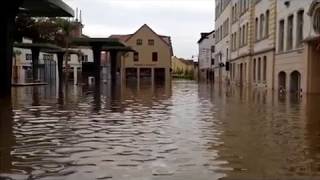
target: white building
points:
(206, 55)
(222, 39)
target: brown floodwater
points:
(177, 131)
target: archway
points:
(282, 79)
(295, 81)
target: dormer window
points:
(139, 42)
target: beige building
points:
(272, 42)
(182, 68)
(152, 59)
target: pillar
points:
(113, 63)
(60, 68)
(6, 51)
(138, 76)
(152, 77)
(97, 62)
(75, 75)
(35, 63)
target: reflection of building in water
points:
(152, 59)
(7, 140)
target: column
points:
(152, 77)
(60, 68)
(6, 51)
(138, 77)
(75, 75)
(97, 62)
(113, 62)
(35, 63)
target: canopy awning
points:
(103, 42)
(42, 46)
(114, 48)
(46, 8)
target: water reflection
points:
(7, 139)
(182, 130)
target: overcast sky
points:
(183, 20)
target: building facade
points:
(222, 40)
(151, 59)
(272, 43)
(182, 68)
(206, 57)
(293, 26)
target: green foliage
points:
(45, 30)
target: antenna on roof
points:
(80, 16)
(76, 14)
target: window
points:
(240, 37)
(254, 69)
(139, 42)
(136, 57)
(281, 36)
(261, 26)
(47, 57)
(154, 56)
(290, 33)
(28, 57)
(256, 29)
(151, 42)
(265, 68)
(247, 34)
(212, 61)
(300, 28)
(213, 49)
(244, 35)
(234, 41)
(259, 69)
(267, 23)
(85, 58)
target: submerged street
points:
(170, 132)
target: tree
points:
(45, 30)
(56, 31)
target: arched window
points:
(282, 81)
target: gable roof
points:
(127, 37)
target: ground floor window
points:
(295, 81)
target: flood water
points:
(178, 131)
